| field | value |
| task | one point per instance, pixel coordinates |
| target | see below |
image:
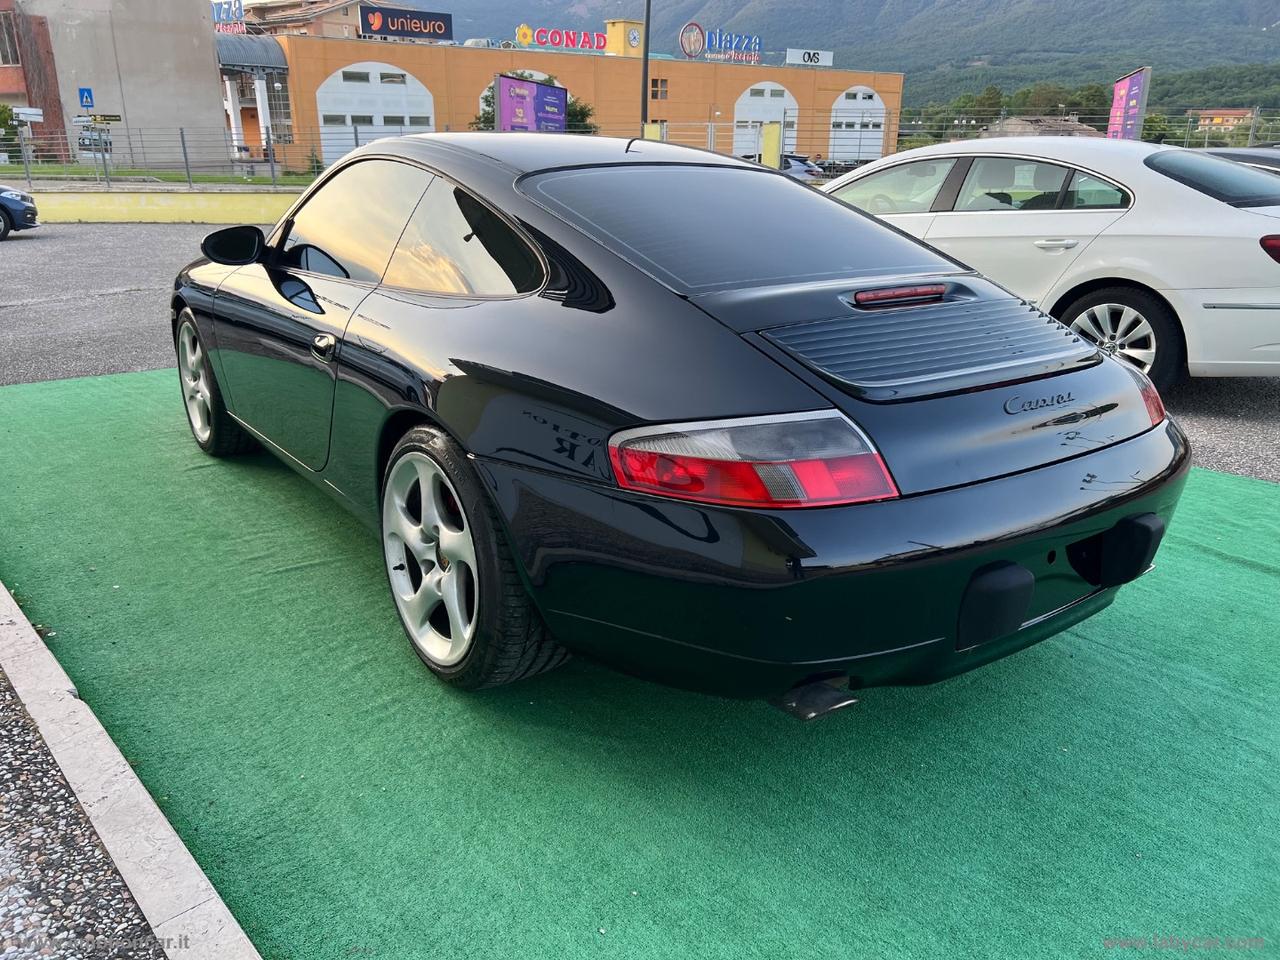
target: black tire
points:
(510, 641)
(1170, 363)
(5, 225)
(226, 438)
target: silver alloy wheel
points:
(193, 367)
(1120, 331)
(431, 558)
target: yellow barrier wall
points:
(771, 144)
(196, 207)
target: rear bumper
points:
(1230, 333)
(748, 603)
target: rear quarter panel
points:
(539, 383)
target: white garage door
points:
(368, 100)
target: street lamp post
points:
(644, 67)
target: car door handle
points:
(322, 346)
(1056, 244)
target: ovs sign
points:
(560, 38)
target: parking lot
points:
(87, 299)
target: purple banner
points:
(1129, 105)
(528, 105)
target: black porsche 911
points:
(675, 411)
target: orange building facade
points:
(344, 91)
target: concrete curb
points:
(183, 908)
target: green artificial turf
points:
(231, 627)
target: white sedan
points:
(1167, 257)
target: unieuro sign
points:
(559, 38)
(380, 21)
(722, 45)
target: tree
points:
(8, 127)
(1156, 128)
(1091, 103)
(577, 116)
(1040, 99)
(990, 100)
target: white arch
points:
(345, 95)
(537, 75)
(759, 103)
(857, 125)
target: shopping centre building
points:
(317, 66)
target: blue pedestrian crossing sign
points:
(86, 98)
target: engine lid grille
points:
(910, 352)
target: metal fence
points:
(1179, 126)
(117, 155)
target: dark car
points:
(17, 211)
(1263, 158)
(677, 412)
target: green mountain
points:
(948, 47)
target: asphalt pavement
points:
(85, 299)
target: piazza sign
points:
(559, 38)
(720, 45)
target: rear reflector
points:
(791, 460)
(924, 293)
(1271, 245)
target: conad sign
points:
(558, 37)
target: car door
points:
(445, 295)
(1023, 221)
(904, 194)
(278, 325)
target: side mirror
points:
(234, 246)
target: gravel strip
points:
(60, 894)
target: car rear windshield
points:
(700, 229)
(1224, 180)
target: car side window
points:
(454, 244)
(1009, 183)
(905, 188)
(1088, 192)
(349, 226)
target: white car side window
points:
(905, 188)
(1009, 183)
(1088, 192)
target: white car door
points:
(1023, 222)
(902, 194)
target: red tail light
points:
(1150, 395)
(1155, 406)
(922, 293)
(1271, 245)
(790, 460)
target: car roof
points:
(528, 152)
(1067, 149)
